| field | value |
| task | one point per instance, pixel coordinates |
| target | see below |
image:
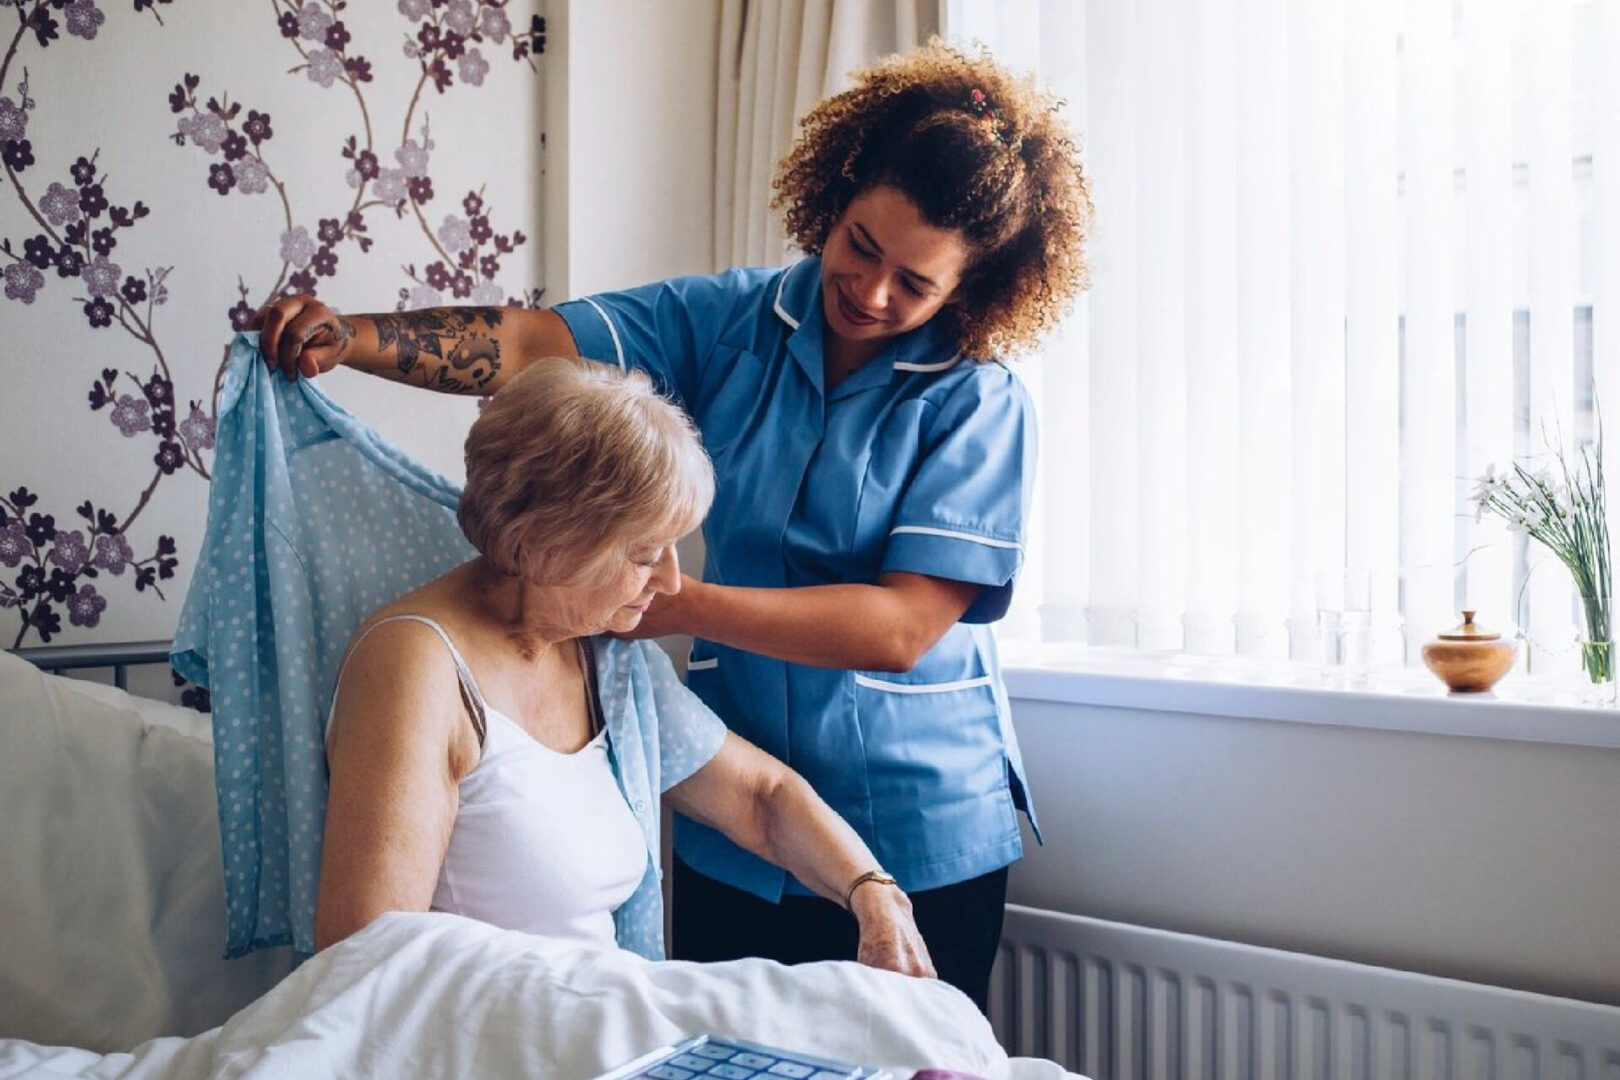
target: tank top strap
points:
(593, 695)
(470, 695)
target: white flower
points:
(460, 17)
(424, 296)
(296, 246)
(59, 205)
(472, 67)
(13, 120)
(325, 67)
(251, 176)
(390, 187)
(413, 157)
(493, 24)
(313, 23)
(205, 129)
(101, 277)
(83, 19)
(455, 234)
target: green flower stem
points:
(1572, 523)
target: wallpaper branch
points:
(60, 245)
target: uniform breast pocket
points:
(934, 741)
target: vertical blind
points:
(1348, 253)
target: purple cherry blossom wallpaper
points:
(172, 165)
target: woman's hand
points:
(300, 335)
(768, 809)
(889, 935)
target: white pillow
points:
(112, 909)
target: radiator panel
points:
(1119, 1002)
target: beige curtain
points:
(777, 59)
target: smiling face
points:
(886, 271)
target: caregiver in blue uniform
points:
(874, 457)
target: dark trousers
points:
(961, 925)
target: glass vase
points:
(1598, 652)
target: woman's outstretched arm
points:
(455, 350)
(885, 626)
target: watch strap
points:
(881, 877)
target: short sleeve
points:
(689, 733)
(963, 514)
(666, 329)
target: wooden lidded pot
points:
(1469, 658)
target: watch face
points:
(880, 877)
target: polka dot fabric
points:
(313, 523)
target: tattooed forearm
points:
(338, 331)
(440, 379)
(343, 333)
(443, 347)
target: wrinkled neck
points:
(526, 611)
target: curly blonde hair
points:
(975, 150)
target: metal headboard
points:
(118, 655)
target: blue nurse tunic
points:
(920, 461)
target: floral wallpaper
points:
(170, 166)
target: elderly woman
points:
(474, 767)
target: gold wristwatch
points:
(882, 877)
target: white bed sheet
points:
(430, 995)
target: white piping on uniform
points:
(781, 283)
(906, 365)
(703, 665)
(926, 530)
(613, 331)
(919, 688)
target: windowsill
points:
(1521, 708)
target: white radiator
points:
(1120, 1002)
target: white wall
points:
(631, 88)
(1480, 859)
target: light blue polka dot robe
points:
(313, 523)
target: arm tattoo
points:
(442, 347)
(342, 334)
(341, 331)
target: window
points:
(1348, 254)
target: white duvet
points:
(441, 996)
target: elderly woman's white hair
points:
(574, 459)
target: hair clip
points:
(981, 105)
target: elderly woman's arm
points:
(397, 748)
(769, 809)
(460, 350)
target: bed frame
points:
(118, 655)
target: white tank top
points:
(543, 842)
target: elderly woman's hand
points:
(300, 335)
(889, 935)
